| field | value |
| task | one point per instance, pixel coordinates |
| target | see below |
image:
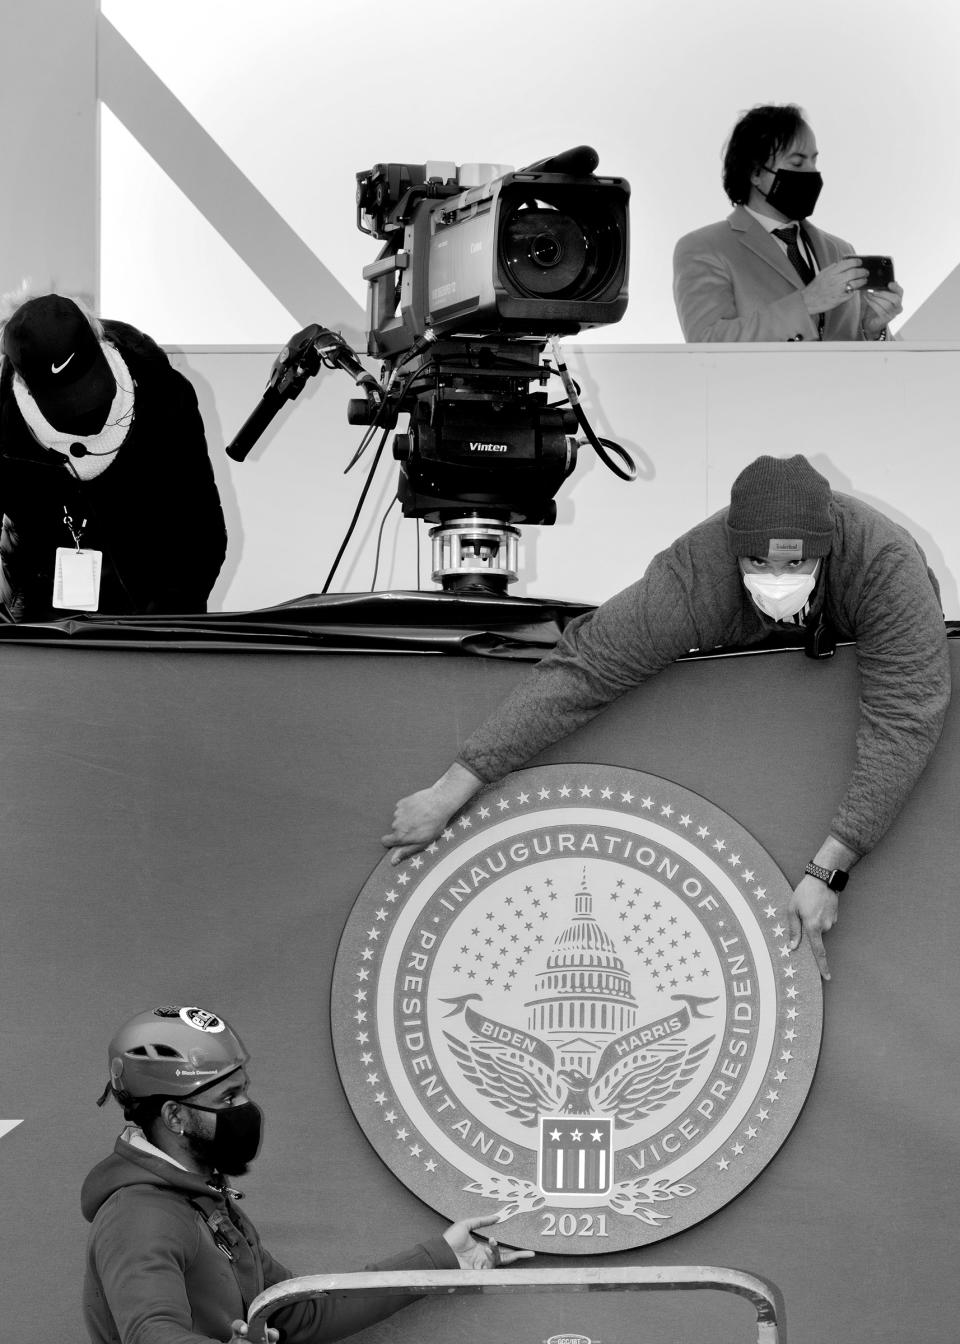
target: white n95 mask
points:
(780, 595)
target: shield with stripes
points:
(575, 1154)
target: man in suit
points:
(765, 273)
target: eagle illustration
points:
(630, 1088)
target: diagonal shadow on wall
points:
(242, 216)
(938, 317)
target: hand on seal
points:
(473, 1253)
(421, 817)
(813, 909)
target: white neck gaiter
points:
(101, 447)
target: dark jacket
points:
(154, 512)
(172, 1261)
(874, 588)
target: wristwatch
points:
(836, 879)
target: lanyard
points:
(75, 532)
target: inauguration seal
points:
(578, 1008)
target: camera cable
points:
(356, 513)
(382, 410)
(376, 558)
(364, 443)
(628, 470)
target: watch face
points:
(837, 880)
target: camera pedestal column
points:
(475, 554)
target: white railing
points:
(765, 1297)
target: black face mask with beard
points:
(236, 1137)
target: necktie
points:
(796, 258)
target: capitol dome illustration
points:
(583, 998)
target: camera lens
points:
(562, 244)
(545, 251)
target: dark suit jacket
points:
(733, 282)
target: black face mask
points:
(91, 422)
(236, 1137)
(794, 193)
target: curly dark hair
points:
(758, 136)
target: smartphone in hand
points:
(879, 269)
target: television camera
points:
(478, 272)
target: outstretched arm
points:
(620, 645)
(904, 692)
(331, 1317)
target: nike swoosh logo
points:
(59, 368)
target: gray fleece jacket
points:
(874, 588)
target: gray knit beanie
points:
(780, 509)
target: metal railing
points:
(765, 1297)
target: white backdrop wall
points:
(879, 422)
(231, 133)
(300, 96)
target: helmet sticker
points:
(201, 1020)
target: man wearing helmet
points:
(171, 1259)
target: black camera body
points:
(478, 271)
(529, 254)
(473, 279)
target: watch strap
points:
(835, 878)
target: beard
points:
(210, 1153)
(234, 1143)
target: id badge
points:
(76, 579)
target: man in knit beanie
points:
(106, 489)
(771, 497)
(772, 494)
(788, 561)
